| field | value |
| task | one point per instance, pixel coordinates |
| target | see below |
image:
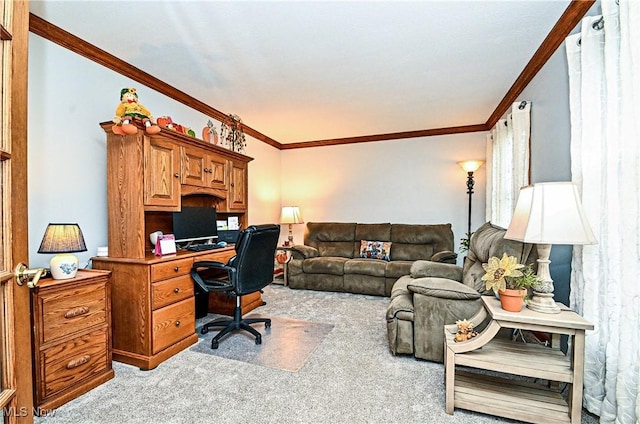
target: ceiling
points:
(303, 70)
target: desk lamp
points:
(291, 215)
(546, 214)
(63, 239)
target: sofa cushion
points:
(396, 269)
(372, 249)
(380, 232)
(413, 241)
(373, 267)
(331, 238)
(329, 265)
(436, 269)
(442, 288)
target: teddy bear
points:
(128, 110)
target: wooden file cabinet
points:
(71, 337)
(154, 304)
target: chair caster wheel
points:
(204, 330)
(267, 324)
(214, 344)
(259, 340)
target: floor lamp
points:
(546, 214)
(470, 166)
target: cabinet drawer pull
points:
(177, 323)
(176, 290)
(176, 175)
(81, 310)
(176, 269)
(74, 363)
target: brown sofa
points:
(330, 257)
(434, 294)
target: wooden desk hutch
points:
(148, 178)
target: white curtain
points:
(605, 164)
(507, 163)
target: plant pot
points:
(512, 300)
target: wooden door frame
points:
(19, 205)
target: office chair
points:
(249, 271)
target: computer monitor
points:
(195, 224)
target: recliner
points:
(249, 271)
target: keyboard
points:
(202, 247)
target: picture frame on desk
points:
(165, 245)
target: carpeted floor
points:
(350, 378)
(286, 345)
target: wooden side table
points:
(72, 337)
(512, 397)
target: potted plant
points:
(510, 280)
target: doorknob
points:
(26, 275)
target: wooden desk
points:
(153, 304)
(71, 337)
(513, 398)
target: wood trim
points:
(79, 46)
(567, 22)
(569, 19)
(388, 136)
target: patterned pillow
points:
(375, 249)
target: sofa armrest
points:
(300, 251)
(445, 256)
(436, 269)
(442, 288)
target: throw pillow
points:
(375, 249)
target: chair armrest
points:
(442, 288)
(206, 284)
(436, 269)
(301, 251)
(445, 256)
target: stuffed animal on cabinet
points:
(129, 110)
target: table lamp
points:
(546, 214)
(291, 215)
(63, 240)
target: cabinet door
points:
(217, 172)
(161, 173)
(237, 199)
(194, 169)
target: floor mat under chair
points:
(286, 345)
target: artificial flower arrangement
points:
(507, 273)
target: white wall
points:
(68, 96)
(414, 181)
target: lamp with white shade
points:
(291, 215)
(546, 214)
(63, 240)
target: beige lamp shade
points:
(63, 239)
(550, 213)
(471, 165)
(291, 215)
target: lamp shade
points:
(550, 213)
(470, 165)
(291, 215)
(62, 238)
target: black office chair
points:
(249, 271)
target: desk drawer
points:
(67, 363)
(65, 312)
(171, 269)
(173, 323)
(169, 291)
